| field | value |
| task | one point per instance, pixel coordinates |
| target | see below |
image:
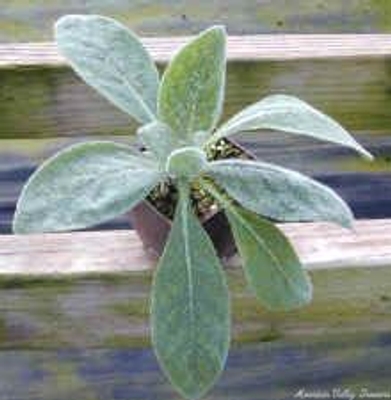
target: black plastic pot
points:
(153, 227)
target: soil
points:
(165, 196)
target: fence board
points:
(277, 370)
(347, 77)
(22, 20)
(95, 286)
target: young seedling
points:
(92, 182)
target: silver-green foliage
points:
(112, 60)
(84, 185)
(190, 306)
(279, 193)
(192, 88)
(92, 182)
(281, 283)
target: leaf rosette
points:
(92, 182)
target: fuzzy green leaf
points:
(186, 162)
(111, 59)
(190, 307)
(291, 115)
(83, 185)
(192, 89)
(279, 193)
(271, 265)
(157, 138)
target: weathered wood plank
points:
(59, 276)
(111, 310)
(254, 372)
(53, 102)
(85, 336)
(240, 48)
(347, 77)
(320, 245)
(23, 20)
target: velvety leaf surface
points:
(186, 162)
(291, 115)
(279, 193)
(192, 88)
(271, 265)
(157, 138)
(190, 308)
(111, 59)
(83, 185)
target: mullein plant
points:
(92, 182)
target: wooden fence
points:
(73, 307)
